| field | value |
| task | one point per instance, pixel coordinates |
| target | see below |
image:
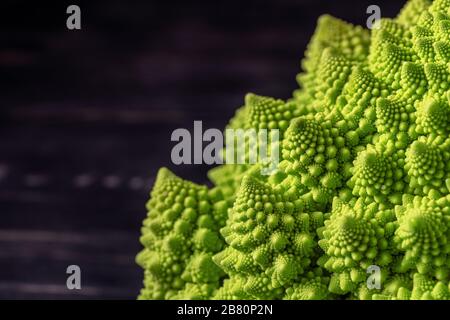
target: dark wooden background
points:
(86, 118)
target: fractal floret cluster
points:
(363, 181)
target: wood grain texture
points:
(86, 118)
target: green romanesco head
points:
(269, 239)
(180, 235)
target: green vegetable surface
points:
(363, 180)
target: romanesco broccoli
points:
(363, 181)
